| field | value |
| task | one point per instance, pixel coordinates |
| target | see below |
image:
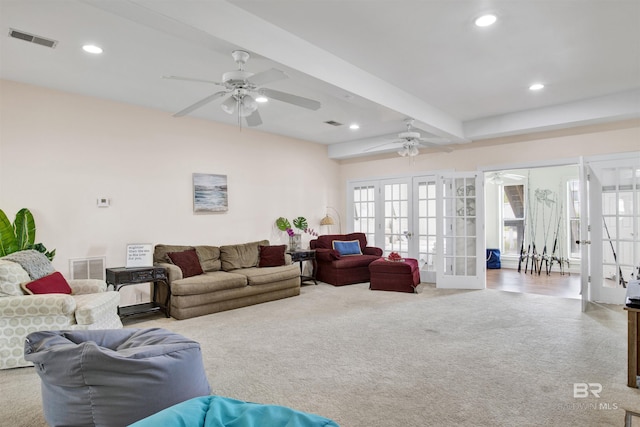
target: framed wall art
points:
(210, 193)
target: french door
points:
(437, 220)
(611, 248)
(461, 260)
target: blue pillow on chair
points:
(351, 247)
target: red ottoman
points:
(401, 276)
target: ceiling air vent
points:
(333, 123)
(32, 38)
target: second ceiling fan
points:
(244, 89)
(411, 141)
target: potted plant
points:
(301, 224)
(20, 235)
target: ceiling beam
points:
(227, 22)
(609, 108)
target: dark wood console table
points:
(121, 276)
(633, 372)
(305, 255)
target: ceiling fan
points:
(411, 142)
(499, 177)
(244, 90)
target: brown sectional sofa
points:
(231, 279)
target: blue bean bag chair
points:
(216, 411)
(114, 377)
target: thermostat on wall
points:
(103, 202)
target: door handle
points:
(583, 242)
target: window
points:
(512, 219)
(573, 217)
(364, 211)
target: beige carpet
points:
(373, 358)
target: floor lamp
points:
(328, 220)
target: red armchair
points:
(336, 269)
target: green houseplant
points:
(20, 235)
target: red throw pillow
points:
(187, 261)
(272, 256)
(54, 283)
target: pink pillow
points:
(54, 283)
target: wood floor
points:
(555, 284)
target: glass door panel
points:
(425, 236)
(460, 266)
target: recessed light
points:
(261, 98)
(354, 126)
(536, 86)
(486, 20)
(92, 48)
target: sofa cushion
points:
(54, 283)
(243, 255)
(263, 276)
(209, 257)
(11, 276)
(272, 256)
(160, 252)
(92, 309)
(35, 263)
(208, 282)
(354, 261)
(188, 262)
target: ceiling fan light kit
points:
(240, 85)
(411, 141)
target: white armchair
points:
(90, 306)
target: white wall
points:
(59, 152)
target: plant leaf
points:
(24, 227)
(8, 243)
(283, 224)
(300, 223)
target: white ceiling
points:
(371, 62)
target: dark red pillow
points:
(272, 256)
(54, 283)
(187, 261)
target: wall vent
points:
(333, 123)
(32, 38)
(87, 268)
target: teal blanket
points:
(216, 411)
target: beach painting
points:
(210, 193)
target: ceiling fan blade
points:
(254, 119)
(200, 103)
(189, 79)
(291, 99)
(268, 76)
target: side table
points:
(305, 255)
(633, 347)
(121, 276)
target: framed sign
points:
(139, 255)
